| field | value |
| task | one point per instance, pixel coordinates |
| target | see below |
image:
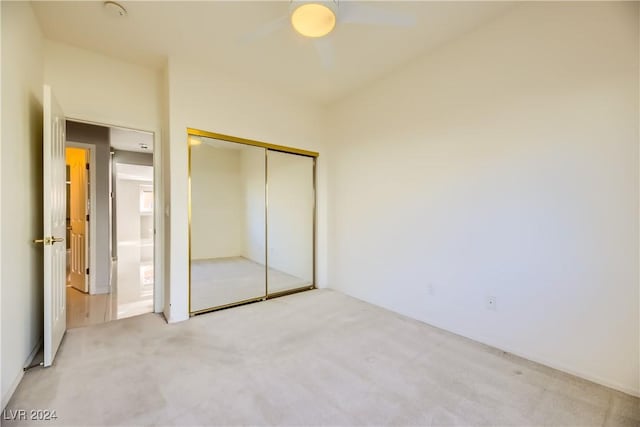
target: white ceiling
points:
(213, 31)
(134, 172)
(130, 140)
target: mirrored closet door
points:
(290, 218)
(251, 221)
(228, 259)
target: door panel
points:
(290, 221)
(227, 218)
(54, 188)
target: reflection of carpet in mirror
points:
(221, 281)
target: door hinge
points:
(87, 166)
(87, 217)
(87, 271)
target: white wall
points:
(97, 88)
(128, 158)
(200, 97)
(217, 203)
(162, 206)
(290, 214)
(128, 210)
(134, 229)
(98, 136)
(503, 164)
(21, 178)
(253, 173)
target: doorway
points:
(110, 223)
(86, 302)
(78, 202)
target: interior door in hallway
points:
(54, 225)
(77, 161)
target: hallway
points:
(132, 295)
(87, 310)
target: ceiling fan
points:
(316, 19)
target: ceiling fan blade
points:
(325, 51)
(265, 29)
(359, 13)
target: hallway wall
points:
(21, 195)
(127, 157)
(98, 136)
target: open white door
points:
(54, 174)
(77, 160)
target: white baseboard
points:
(18, 378)
(175, 319)
(102, 290)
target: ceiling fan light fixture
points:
(313, 20)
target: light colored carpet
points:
(313, 358)
(222, 281)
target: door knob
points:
(49, 240)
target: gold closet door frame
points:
(267, 146)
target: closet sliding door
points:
(227, 223)
(290, 222)
(251, 220)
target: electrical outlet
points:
(491, 303)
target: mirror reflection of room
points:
(289, 221)
(227, 224)
(240, 225)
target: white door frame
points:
(92, 211)
(158, 208)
